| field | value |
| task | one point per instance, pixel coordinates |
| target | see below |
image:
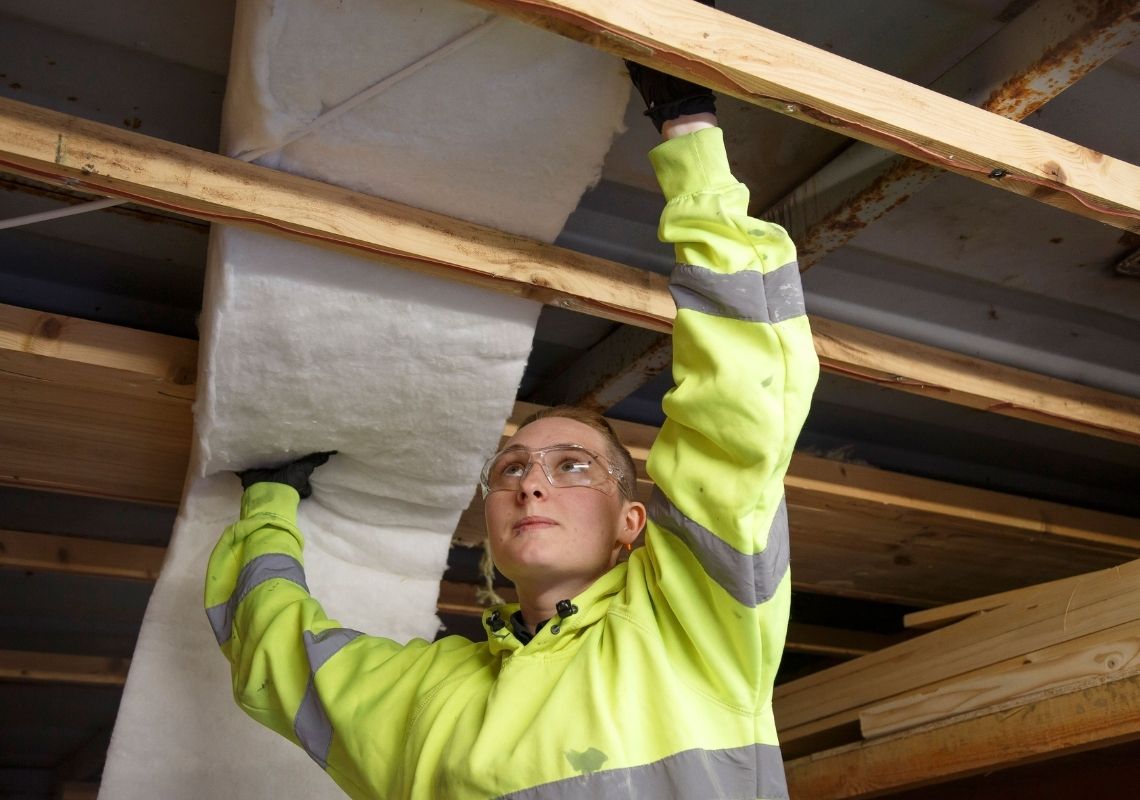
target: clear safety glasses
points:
(564, 464)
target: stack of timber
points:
(1016, 677)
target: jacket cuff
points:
(278, 499)
(695, 162)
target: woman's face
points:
(542, 532)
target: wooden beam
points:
(1033, 58)
(1096, 716)
(92, 408)
(125, 432)
(1043, 51)
(22, 665)
(79, 556)
(964, 380)
(76, 352)
(1111, 654)
(839, 643)
(103, 159)
(808, 707)
(940, 616)
(869, 492)
(773, 71)
(82, 441)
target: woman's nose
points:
(534, 481)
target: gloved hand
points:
(295, 473)
(667, 97)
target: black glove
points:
(295, 473)
(667, 97)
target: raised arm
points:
(744, 369)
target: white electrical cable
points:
(250, 155)
(44, 216)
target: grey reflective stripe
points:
(322, 646)
(740, 773)
(312, 726)
(746, 295)
(253, 574)
(751, 578)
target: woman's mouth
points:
(527, 524)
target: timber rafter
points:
(105, 160)
(789, 77)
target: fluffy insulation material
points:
(410, 378)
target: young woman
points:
(650, 678)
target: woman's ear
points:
(633, 520)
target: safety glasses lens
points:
(564, 466)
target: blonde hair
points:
(616, 452)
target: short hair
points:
(616, 452)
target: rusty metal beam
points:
(614, 369)
(1040, 53)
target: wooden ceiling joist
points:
(22, 665)
(102, 159)
(1111, 654)
(1041, 52)
(95, 409)
(1095, 716)
(931, 618)
(79, 556)
(776, 72)
(808, 709)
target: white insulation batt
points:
(409, 378)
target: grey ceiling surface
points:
(960, 266)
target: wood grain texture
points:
(963, 380)
(102, 159)
(79, 556)
(931, 618)
(1095, 716)
(833, 697)
(83, 441)
(91, 408)
(776, 72)
(1107, 655)
(58, 349)
(845, 554)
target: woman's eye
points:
(511, 470)
(574, 465)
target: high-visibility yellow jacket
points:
(660, 685)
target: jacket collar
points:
(580, 613)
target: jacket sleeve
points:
(744, 368)
(295, 670)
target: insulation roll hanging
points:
(436, 105)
